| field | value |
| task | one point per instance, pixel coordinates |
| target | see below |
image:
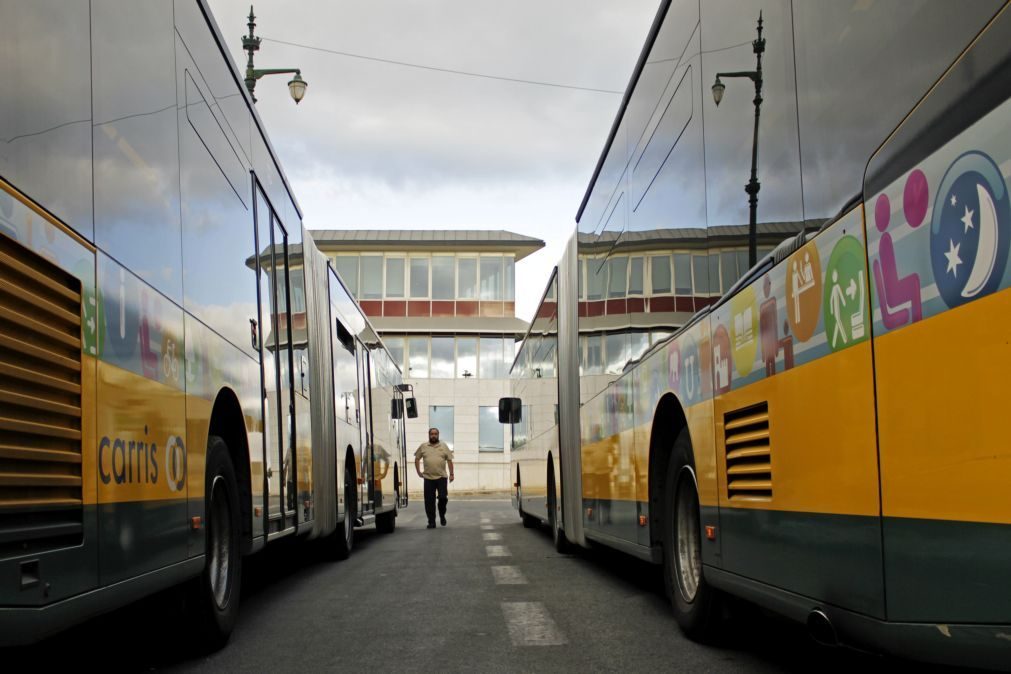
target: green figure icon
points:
(845, 296)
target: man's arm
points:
(417, 466)
(451, 478)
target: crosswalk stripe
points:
(508, 575)
(530, 624)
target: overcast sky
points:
(375, 145)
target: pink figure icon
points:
(898, 297)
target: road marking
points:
(497, 551)
(488, 527)
(508, 575)
(485, 520)
(530, 625)
(492, 537)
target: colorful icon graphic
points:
(969, 229)
(803, 291)
(674, 366)
(744, 330)
(768, 327)
(845, 296)
(721, 360)
(898, 297)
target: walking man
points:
(436, 455)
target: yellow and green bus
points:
(818, 432)
(184, 379)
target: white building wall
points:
(484, 471)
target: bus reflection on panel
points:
(820, 433)
(183, 377)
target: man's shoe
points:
(442, 520)
(431, 525)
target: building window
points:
(617, 352)
(467, 278)
(372, 277)
(347, 267)
(443, 277)
(714, 274)
(596, 273)
(579, 279)
(700, 269)
(441, 417)
(395, 345)
(490, 436)
(395, 277)
(442, 357)
(728, 269)
(617, 277)
(492, 358)
(491, 278)
(417, 354)
(660, 274)
(419, 278)
(639, 344)
(466, 357)
(593, 361)
(635, 275)
(509, 279)
(682, 274)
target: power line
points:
(444, 70)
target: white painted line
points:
(492, 537)
(485, 520)
(488, 527)
(497, 551)
(508, 575)
(530, 625)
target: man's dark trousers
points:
(431, 487)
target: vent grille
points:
(40, 403)
(749, 454)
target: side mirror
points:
(412, 408)
(397, 408)
(510, 410)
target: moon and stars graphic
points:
(970, 229)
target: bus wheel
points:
(562, 545)
(696, 605)
(342, 539)
(214, 599)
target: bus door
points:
(366, 492)
(273, 329)
(939, 234)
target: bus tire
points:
(697, 606)
(343, 538)
(213, 604)
(562, 545)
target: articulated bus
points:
(819, 433)
(183, 377)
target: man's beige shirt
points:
(434, 458)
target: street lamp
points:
(251, 43)
(753, 185)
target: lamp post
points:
(251, 43)
(753, 185)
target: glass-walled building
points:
(444, 303)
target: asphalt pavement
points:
(480, 595)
